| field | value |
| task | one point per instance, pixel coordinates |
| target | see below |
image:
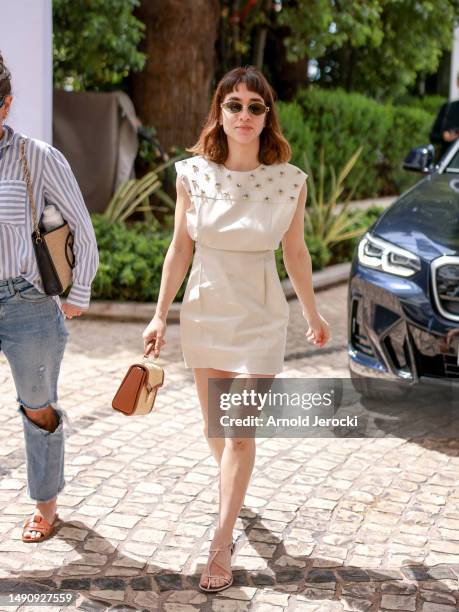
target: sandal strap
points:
(222, 548)
(212, 561)
(211, 577)
(37, 523)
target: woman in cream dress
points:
(237, 199)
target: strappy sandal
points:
(38, 523)
(206, 573)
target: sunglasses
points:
(2, 102)
(254, 108)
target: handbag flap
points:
(127, 396)
(60, 242)
(155, 375)
(51, 282)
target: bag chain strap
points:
(28, 181)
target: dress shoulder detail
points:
(272, 184)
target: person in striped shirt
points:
(32, 328)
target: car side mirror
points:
(420, 159)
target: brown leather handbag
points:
(137, 393)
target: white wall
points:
(26, 46)
(453, 89)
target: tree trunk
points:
(258, 52)
(172, 93)
(286, 77)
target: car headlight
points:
(377, 253)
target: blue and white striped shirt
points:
(53, 179)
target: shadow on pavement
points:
(327, 584)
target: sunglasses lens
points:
(257, 108)
(233, 107)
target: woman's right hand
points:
(154, 336)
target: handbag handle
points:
(26, 171)
(149, 357)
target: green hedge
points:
(131, 257)
(430, 104)
(340, 122)
(131, 260)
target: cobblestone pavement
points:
(327, 525)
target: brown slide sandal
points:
(38, 523)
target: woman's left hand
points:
(70, 310)
(319, 331)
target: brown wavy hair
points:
(5, 80)
(213, 143)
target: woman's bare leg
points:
(237, 459)
(201, 377)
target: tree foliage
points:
(378, 47)
(413, 34)
(95, 43)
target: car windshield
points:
(453, 165)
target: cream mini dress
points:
(234, 314)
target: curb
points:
(134, 312)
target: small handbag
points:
(137, 391)
(53, 249)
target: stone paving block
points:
(149, 487)
(351, 604)
(147, 600)
(317, 593)
(323, 504)
(140, 549)
(324, 606)
(359, 590)
(5, 527)
(11, 484)
(286, 561)
(17, 509)
(428, 606)
(120, 571)
(199, 518)
(87, 521)
(324, 563)
(99, 545)
(222, 605)
(250, 563)
(398, 602)
(97, 511)
(171, 559)
(113, 533)
(438, 597)
(436, 558)
(78, 570)
(186, 597)
(129, 560)
(176, 607)
(262, 535)
(257, 549)
(272, 598)
(149, 536)
(192, 530)
(121, 520)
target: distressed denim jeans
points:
(33, 338)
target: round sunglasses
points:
(254, 108)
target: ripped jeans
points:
(33, 338)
